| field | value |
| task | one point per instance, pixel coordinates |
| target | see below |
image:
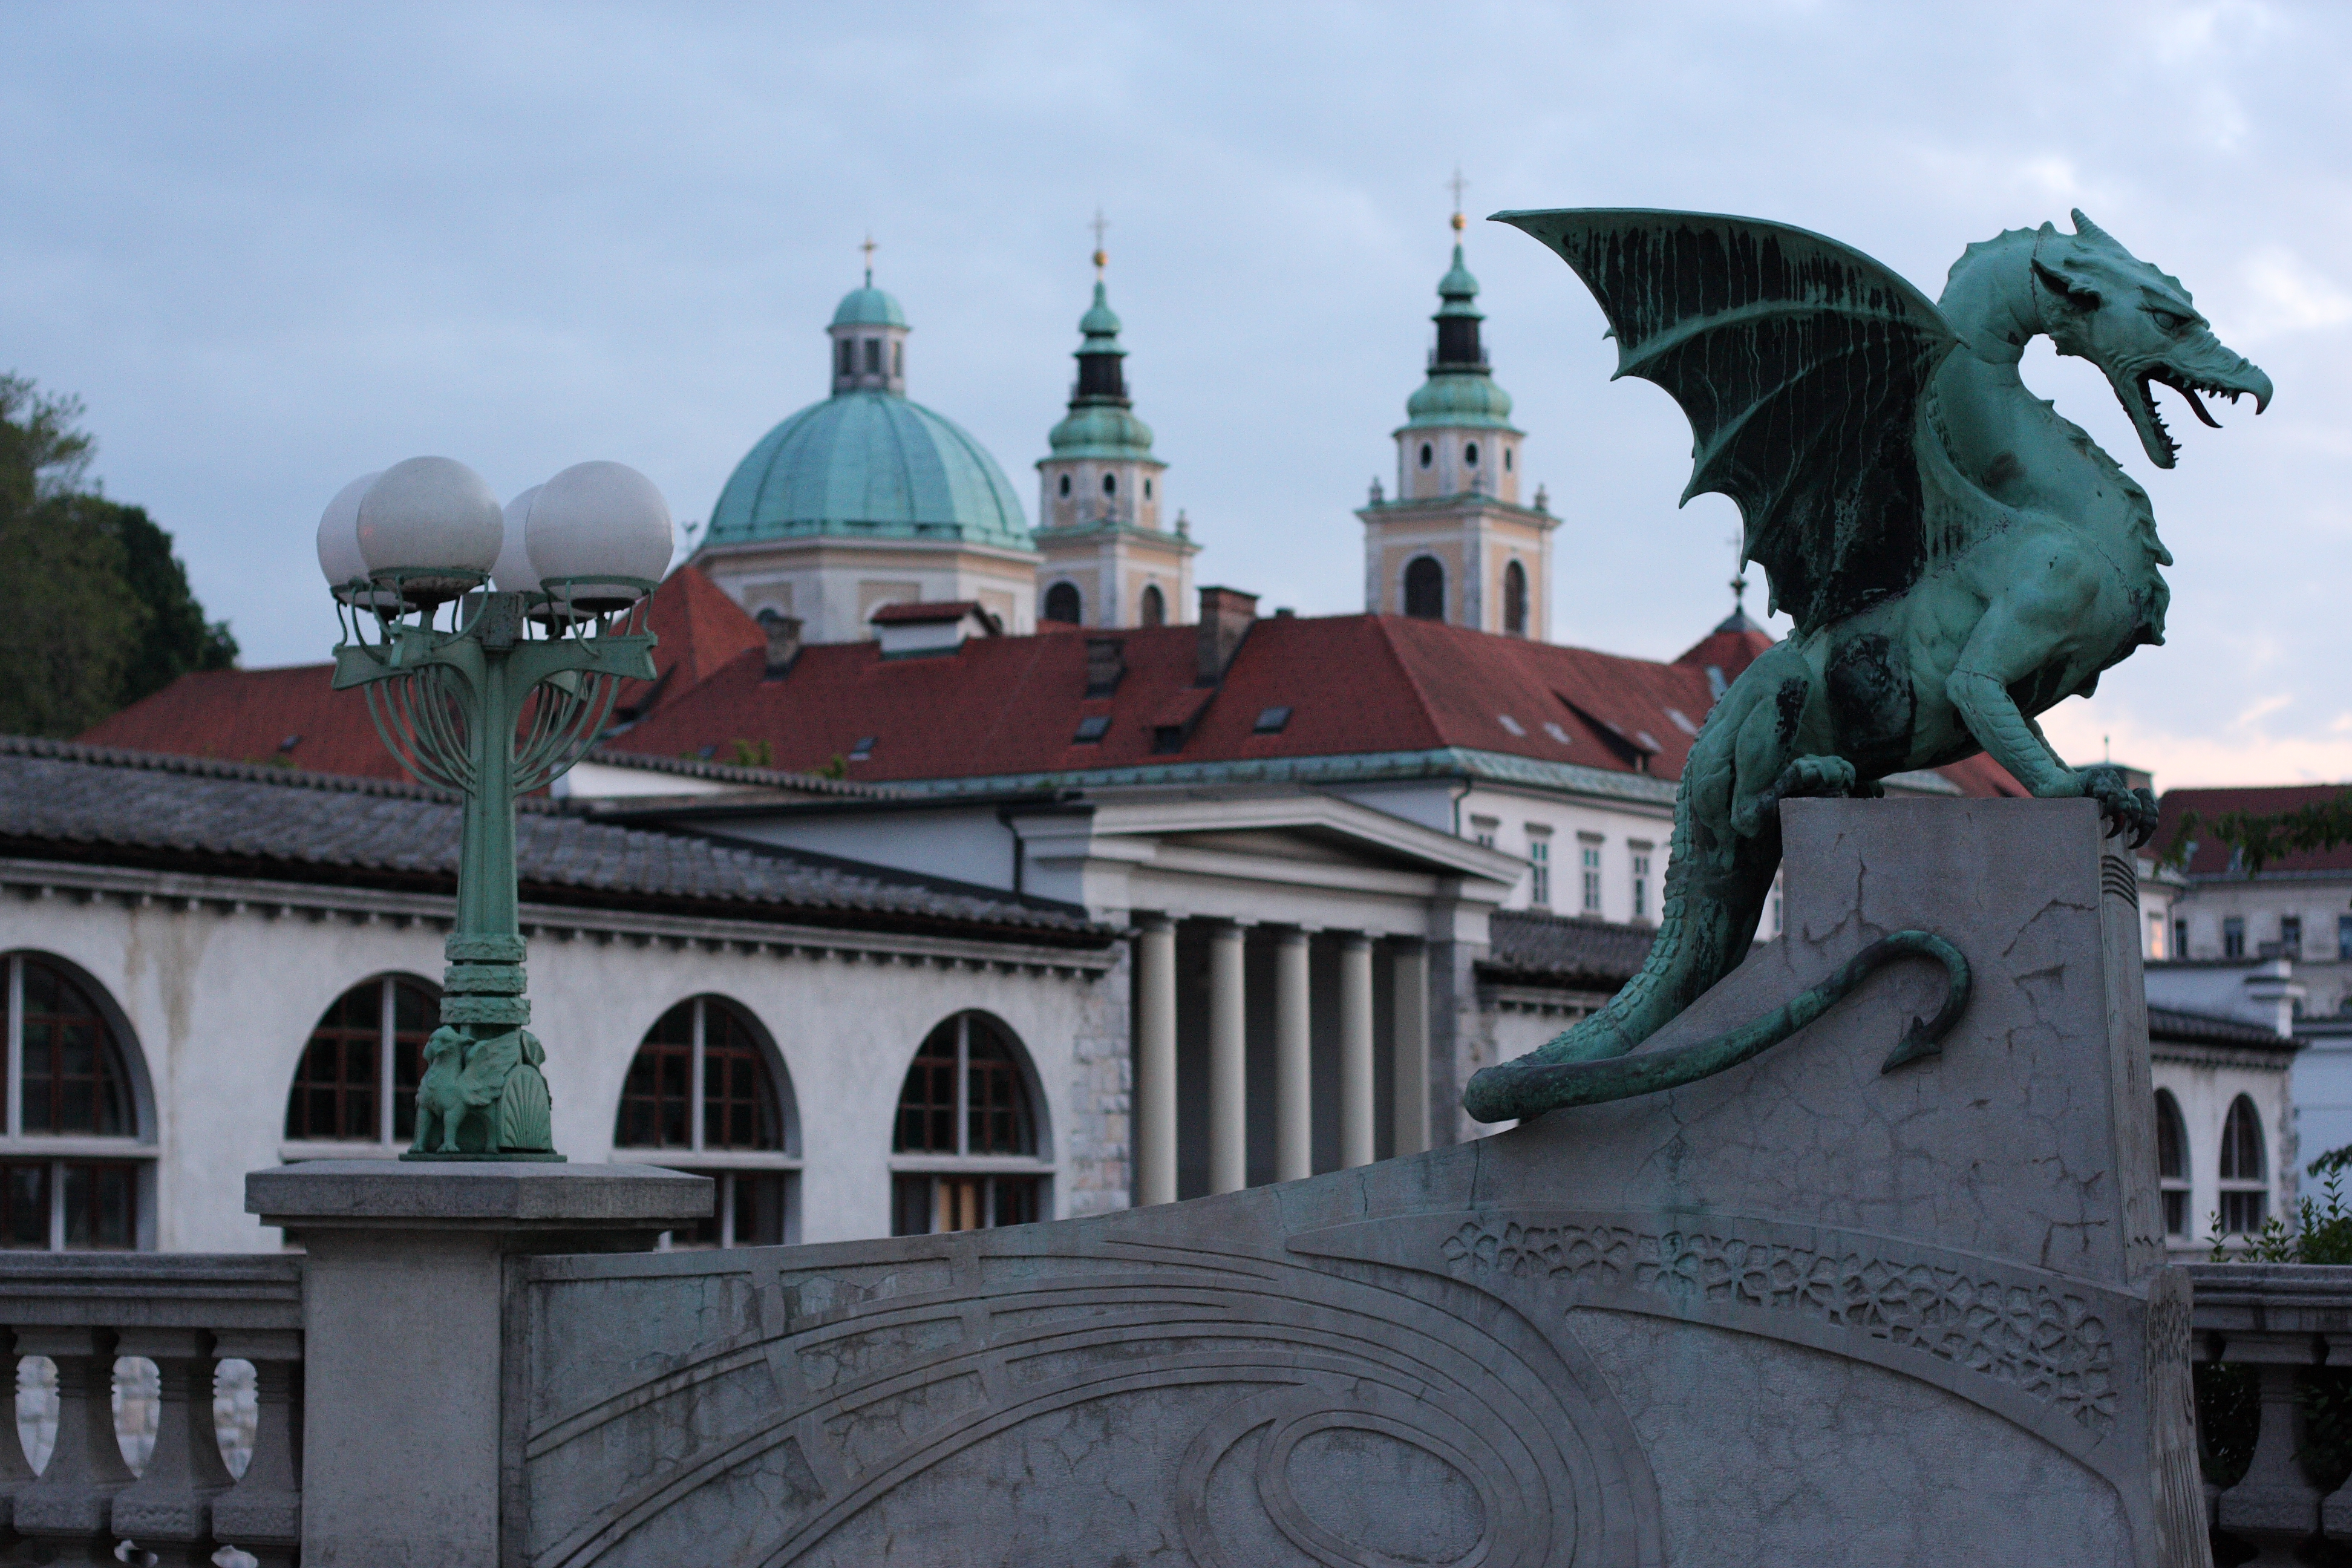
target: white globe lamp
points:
(513, 573)
(436, 523)
(338, 543)
(599, 535)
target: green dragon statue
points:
(1957, 557)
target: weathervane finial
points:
(1098, 225)
(1457, 185)
(868, 248)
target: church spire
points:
(1102, 379)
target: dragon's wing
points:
(1800, 363)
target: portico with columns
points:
(1302, 993)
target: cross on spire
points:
(1098, 225)
(1457, 185)
(868, 248)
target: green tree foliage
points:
(95, 610)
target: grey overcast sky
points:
(272, 247)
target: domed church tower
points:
(869, 499)
(1456, 545)
(1110, 561)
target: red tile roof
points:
(1003, 707)
(1355, 685)
(2212, 858)
(250, 715)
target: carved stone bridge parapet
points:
(1799, 1311)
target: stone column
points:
(1228, 1062)
(1410, 1054)
(1155, 1059)
(403, 1300)
(1355, 1049)
(1294, 1062)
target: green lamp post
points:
(490, 645)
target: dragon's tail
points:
(1716, 882)
(1528, 1087)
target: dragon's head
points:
(2104, 304)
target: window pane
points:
(1015, 1200)
(2242, 1213)
(739, 1101)
(2176, 1214)
(998, 1102)
(2171, 1158)
(2242, 1143)
(760, 1208)
(910, 1205)
(657, 1098)
(927, 1101)
(100, 1205)
(25, 1205)
(75, 1080)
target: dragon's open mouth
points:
(2154, 433)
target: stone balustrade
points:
(2283, 1322)
(95, 1317)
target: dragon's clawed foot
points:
(2127, 810)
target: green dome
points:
(1457, 400)
(868, 465)
(1101, 430)
(869, 307)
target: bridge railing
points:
(2274, 1344)
(159, 1402)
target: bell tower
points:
(1455, 543)
(1110, 558)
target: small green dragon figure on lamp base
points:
(1957, 557)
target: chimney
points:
(783, 639)
(1226, 617)
(1106, 664)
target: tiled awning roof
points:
(62, 801)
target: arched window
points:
(1425, 588)
(1066, 484)
(965, 1149)
(76, 1075)
(1507, 459)
(847, 358)
(1470, 455)
(356, 1082)
(2245, 1179)
(1147, 490)
(1428, 454)
(874, 356)
(1111, 484)
(705, 1091)
(1062, 604)
(898, 359)
(2172, 1163)
(1515, 599)
(1152, 610)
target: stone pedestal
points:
(1804, 1311)
(403, 1296)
